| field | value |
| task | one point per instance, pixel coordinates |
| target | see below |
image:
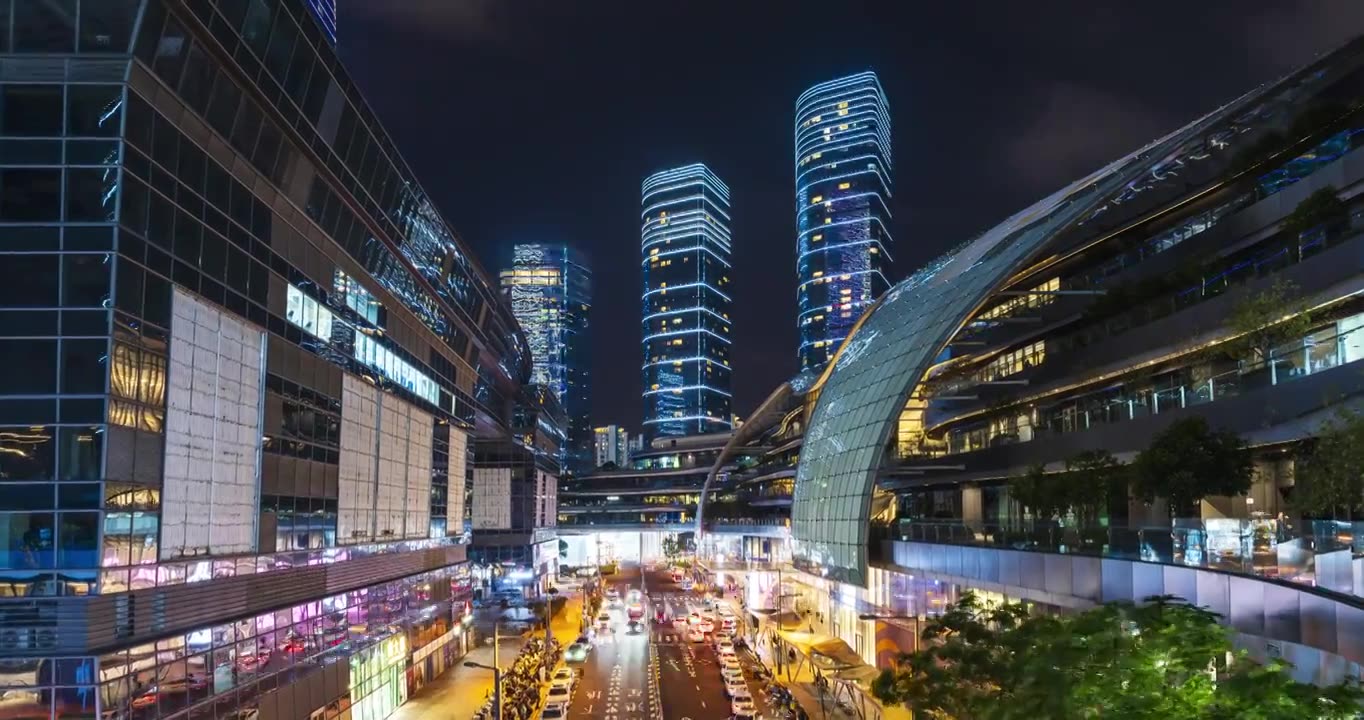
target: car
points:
(604, 620)
(554, 712)
(613, 598)
(634, 595)
(732, 675)
(660, 616)
(577, 652)
(734, 685)
(742, 706)
(722, 636)
(724, 647)
(696, 636)
(564, 673)
(679, 620)
(741, 695)
(730, 660)
(559, 695)
(634, 627)
(706, 627)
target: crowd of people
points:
(522, 683)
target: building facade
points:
(612, 445)
(843, 190)
(248, 368)
(325, 12)
(685, 242)
(550, 288)
(1135, 302)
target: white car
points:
(741, 695)
(730, 661)
(604, 619)
(734, 685)
(565, 683)
(743, 708)
(724, 647)
(554, 712)
(559, 695)
(564, 673)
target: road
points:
(656, 675)
(616, 681)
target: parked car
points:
(559, 695)
(554, 712)
(577, 652)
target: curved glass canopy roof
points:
(878, 367)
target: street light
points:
(497, 684)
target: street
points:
(659, 673)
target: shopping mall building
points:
(1092, 321)
(248, 369)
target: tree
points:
(1039, 492)
(671, 548)
(1330, 477)
(1094, 480)
(1321, 207)
(1119, 660)
(1261, 321)
(1189, 461)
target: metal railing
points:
(1319, 555)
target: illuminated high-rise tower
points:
(550, 287)
(685, 244)
(843, 187)
(325, 11)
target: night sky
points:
(536, 120)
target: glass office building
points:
(245, 366)
(685, 243)
(843, 188)
(325, 12)
(550, 288)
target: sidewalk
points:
(802, 684)
(460, 691)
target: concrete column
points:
(971, 512)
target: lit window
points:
(816, 118)
(817, 237)
(873, 250)
(841, 113)
(817, 156)
(819, 273)
(844, 186)
(828, 220)
(677, 321)
(816, 199)
(843, 104)
(843, 127)
(654, 251)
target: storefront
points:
(378, 682)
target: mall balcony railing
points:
(1299, 359)
(1327, 555)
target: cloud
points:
(1076, 130)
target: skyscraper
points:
(550, 287)
(685, 244)
(843, 187)
(325, 12)
(612, 445)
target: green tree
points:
(982, 662)
(1330, 477)
(671, 548)
(1095, 480)
(1261, 321)
(1189, 461)
(1321, 207)
(1040, 493)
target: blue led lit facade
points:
(685, 244)
(550, 288)
(325, 12)
(843, 187)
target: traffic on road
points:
(655, 647)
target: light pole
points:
(497, 683)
